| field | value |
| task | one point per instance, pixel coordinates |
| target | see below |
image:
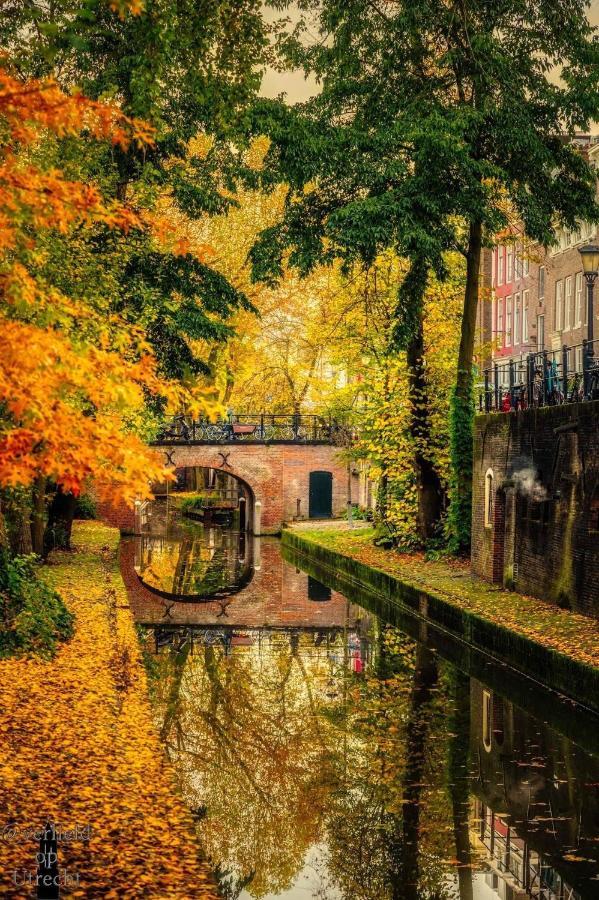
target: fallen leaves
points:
(79, 748)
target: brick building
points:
(535, 503)
(538, 297)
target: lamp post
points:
(590, 268)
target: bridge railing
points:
(546, 378)
(260, 428)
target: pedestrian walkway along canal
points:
(329, 752)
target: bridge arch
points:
(277, 476)
(198, 479)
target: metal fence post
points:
(496, 376)
(585, 368)
(530, 377)
(565, 373)
(487, 392)
(512, 383)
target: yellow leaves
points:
(255, 155)
(83, 725)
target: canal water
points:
(332, 748)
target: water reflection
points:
(340, 758)
(177, 557)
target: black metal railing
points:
(262, 428)
(546, 378)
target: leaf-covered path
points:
(79, 748)
(561, 630)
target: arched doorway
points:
(320, 495)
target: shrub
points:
(33, 617)
(85, 507)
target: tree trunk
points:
(3, 532)
(462, 402)
(60, 522)
(459, 782)
(428, 483)
(20, 530)
(38, 515)
(425, 679)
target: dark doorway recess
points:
(318, 591)
(321, 495)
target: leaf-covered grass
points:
(80, 747)
(452, 580)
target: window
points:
(517, 319)
(525, 265)
(542, 283)
(524, 317)
(487, 719)
(578, 306)
(508, 321)
(489, 499)
(578, 359)
(559, 306)
(568, 305)
(540, 333)
(500, 334)
(510, 265)
(500, 264)
(517, 263)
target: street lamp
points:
(590, 267)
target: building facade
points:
(538, 296)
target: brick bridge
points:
(290, 466)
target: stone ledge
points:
(560, 671)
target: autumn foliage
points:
(72, 380)
(81, 749)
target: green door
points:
(321, 495)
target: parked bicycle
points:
(178, 430)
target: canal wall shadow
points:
(504, 679)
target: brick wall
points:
(276, 596)
(544, 536)
(278, 476)
(120, 516)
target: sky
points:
(297, 88)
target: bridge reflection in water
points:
(327, 754)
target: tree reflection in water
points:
(402, 780)
(280, 748)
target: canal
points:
(332, 748)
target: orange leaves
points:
(29, 107)
(67, 406)
(73, 382)
(42, 198)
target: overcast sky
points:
(297, 88)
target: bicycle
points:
(178, 430)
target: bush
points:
(85, 507)
(33, 617)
